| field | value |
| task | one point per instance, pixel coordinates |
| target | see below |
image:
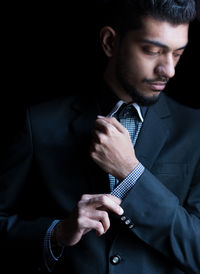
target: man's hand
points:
(112, 148)
(91, 213)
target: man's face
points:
(145, 59)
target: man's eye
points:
(177, 55)
(151, 51)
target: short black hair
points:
(125, 15)
(198, 9)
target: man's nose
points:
(166, 67)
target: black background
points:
(49, 50)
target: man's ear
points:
(108, 37)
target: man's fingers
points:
(105, 201)
(91, 224)
(104, 126)
(115, 199)
(102, 216)
(85, 197)
(98, 136)
(112, 121)
(92, 212)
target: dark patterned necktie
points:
(129, 118)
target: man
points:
(111, 183)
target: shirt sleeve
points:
(126, 185)
(49, 258)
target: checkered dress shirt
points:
(131, 118)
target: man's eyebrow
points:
(158, 44)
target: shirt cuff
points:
(49, 258)
(125, 186)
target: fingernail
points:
(99, 116)
(121, 211)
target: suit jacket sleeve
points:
(20, 232)
(163, 223)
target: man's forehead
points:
(173, 36)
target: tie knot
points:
(126, 111)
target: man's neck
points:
(116, 88)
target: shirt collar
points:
(120, 103)
(109, 103)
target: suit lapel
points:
(154, 133)
(151, 140)
(85, 115)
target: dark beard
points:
(135, 94)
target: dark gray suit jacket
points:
(48, 168)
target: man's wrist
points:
(128, 170)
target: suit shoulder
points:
(56, 113)
(51, 106)
(182, 112)
(51, 114)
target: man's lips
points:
(158, 86)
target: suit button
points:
(123, 218)
(115, 259)
(127, 222)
